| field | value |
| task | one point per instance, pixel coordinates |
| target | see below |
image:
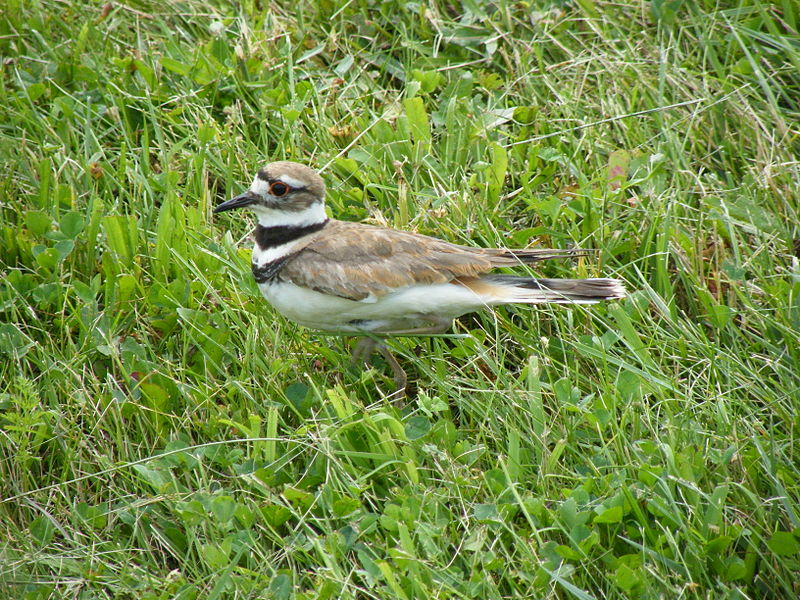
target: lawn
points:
(165, 435)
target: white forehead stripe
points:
(259, 186)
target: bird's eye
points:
(278, 189)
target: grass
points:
(164, 434)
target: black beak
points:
(239, 201)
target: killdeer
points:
(355, 278)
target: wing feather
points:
(358, 261)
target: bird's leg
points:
(437, 325)
(365, 347)
(399, 375)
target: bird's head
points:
(281, 188)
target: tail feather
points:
(558, 291)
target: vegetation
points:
(165, 434)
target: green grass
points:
(164, 434)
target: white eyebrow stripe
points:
(291, 181)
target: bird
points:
(371, 281)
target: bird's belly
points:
(308, 307)
(402, 309)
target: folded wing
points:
(376, 261)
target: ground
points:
(164, 434)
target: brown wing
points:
(354, 261)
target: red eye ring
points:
(278, 189)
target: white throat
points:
(271, 217)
